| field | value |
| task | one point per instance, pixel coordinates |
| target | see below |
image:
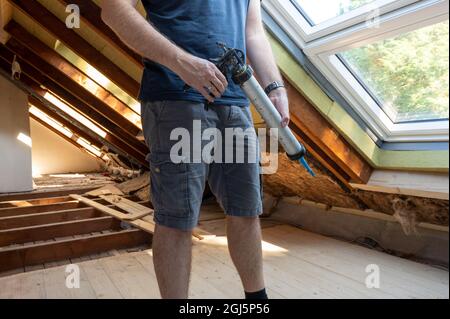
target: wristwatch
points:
(273, 86)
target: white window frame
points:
(322, 42)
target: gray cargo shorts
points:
(177, 188)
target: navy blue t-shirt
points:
(195, 26)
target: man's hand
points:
(279, 98)
(201, 75)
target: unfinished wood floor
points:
(298, 264)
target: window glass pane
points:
(318, 11)
(408, 74)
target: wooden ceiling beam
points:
(59, 62)
(330, 148)
(55, 116)
(60, 70)
(58, 83)
(48, 218)
(116, 140)
(71, 39)
(17, 257)
(62, 229)
(111, 139)
(66, 138)
(91, 15)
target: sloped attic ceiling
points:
(96, 75)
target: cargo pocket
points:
(170, 193)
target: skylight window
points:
(386, 60)
(318, 11)
(408, 74)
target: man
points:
(177, 40)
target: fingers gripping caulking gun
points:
(233, 62)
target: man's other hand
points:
(279, 98)
(201, 75)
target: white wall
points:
(15, 156)
(54, 155)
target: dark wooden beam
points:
(51, 231)
(325, 143)
(82, 132)
(17, 211)
(59, 62)
(45, 193)
(39, 201)
(38, 104)
(60, 70)
(71, 39)
(48, 218)
(66, 138)
(130, 144)
(13, 258)
(91, 15)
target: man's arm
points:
(124, 19)
(261, 56)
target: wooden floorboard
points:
(298, 264)
(48, 218)
(70, 247)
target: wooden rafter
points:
(97, 114)
(71, 39)
(55, 67)
(55, 116)
(62, 229)
(47, 218)
(82, 132)
(58, 61)
(91, 14)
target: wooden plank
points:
(99, 280)
(44, 193)
(106, 190)
(420, 184)
(117, 142)
(64, 137)
(146, 223)
(58, 61)
(81, 133)
(17, 211)
(114, 141)
(55, 285)
(51, 231)
(350, 261)
(135, 210)
(91, 14)
(13, 258)
(104, 209)
(71, 39)
(47, 218)
(23, 286)
(58, 68)
(59, 83)
(130, 277)
(32, 202)
(122, 141)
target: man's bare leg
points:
(172, 254)
(244, 244)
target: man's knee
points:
(243, 220)
(170, 232)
